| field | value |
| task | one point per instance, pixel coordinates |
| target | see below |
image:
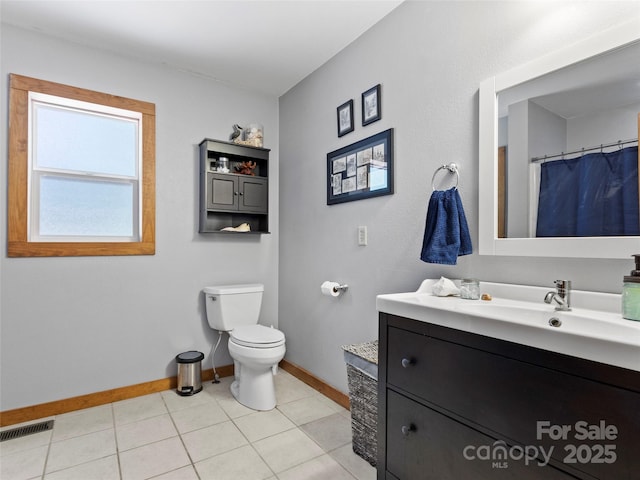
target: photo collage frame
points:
(361, 170)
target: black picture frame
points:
(371, 105)
(361, 170)
(345, 118)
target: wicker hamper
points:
(362, 377)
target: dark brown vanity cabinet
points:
(456, 405)
(228, 199)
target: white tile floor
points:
(207, 436)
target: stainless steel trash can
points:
(189, 372)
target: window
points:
(81, 172)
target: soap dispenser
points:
(631, 293)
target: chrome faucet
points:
(562, 295)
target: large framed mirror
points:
(560, 110)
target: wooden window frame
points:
(18, 244)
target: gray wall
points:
(612, 125)
(72, 326)
(430, 58)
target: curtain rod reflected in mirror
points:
(582, 151)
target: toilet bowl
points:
(255, 349)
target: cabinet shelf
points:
(238, 175)
(228, 199)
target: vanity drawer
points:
(408, 361)
(505, 396)
(424, 444)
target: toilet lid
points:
(257, 336)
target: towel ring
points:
(453, 168)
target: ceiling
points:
(262, 45)
(589, 87)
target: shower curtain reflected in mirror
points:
(590, 196)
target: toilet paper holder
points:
(333, 289)
(341, 288)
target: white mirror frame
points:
(581, 247)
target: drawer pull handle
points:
(407, 362)
(406, 430)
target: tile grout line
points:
(264, 460)
(191, 462)
(251, 444)
(327, 452)
(46, 458)
(52, 441)
(115, 436)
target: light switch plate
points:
(362, 235)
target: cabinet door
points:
(253, 194)
(222, 192)
(423, 444)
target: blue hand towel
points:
(446, 233)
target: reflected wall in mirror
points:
(559, 139)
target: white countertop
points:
(594, 329)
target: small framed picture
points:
(371, 105)
(345, 118)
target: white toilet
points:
(255, 349)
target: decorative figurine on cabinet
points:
(236, 134)
(246, 168)
(251, 135)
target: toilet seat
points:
(257, 336)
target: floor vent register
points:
(26, 430)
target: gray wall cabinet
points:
(230, 199)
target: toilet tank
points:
(229, 306)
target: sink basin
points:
(594, 329)
(508, 312)
(587, 323)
